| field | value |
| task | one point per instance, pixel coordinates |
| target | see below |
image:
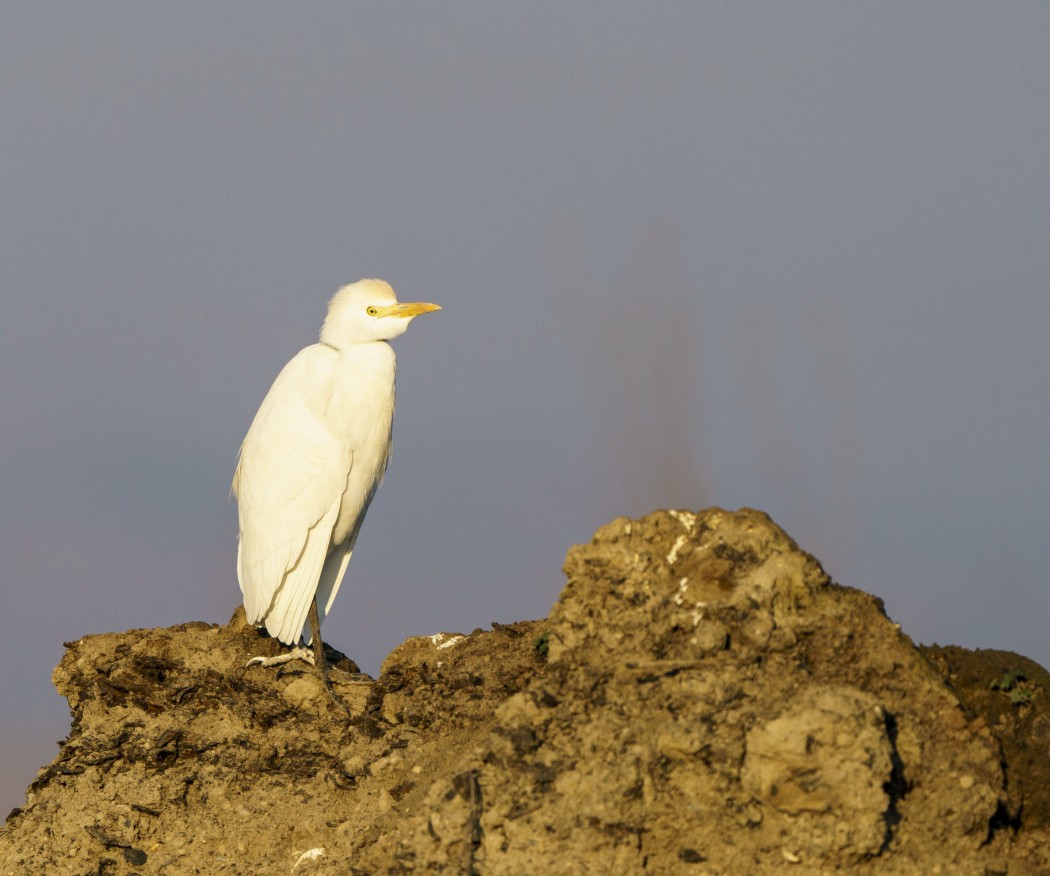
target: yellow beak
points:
(406, 310)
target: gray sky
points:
(792, 256)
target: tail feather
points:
(287, 615)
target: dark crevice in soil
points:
(897, 787)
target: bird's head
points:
(368, 310)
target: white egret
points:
(311, 463)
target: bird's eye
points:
(372, 311)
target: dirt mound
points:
(702, 699)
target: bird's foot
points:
(327, 682)
(300, 653)
(307, 655)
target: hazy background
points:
(793, 256)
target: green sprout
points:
(1016, 685)
(542, 644)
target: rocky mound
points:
(702, 699)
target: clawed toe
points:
(304, 654)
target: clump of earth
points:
(702, 699)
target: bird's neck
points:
(374, 358)
(361, 389)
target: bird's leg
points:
(319, 661)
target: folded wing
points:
(290, 481)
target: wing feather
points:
(291, 475)
(332, 576)
(286, 618)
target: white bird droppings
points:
(697, 612)
(678, 543)
(310, 855)
(443, 640)
(683, 585)
(686, 518)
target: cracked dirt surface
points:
(702, 699)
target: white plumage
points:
(313, 459)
